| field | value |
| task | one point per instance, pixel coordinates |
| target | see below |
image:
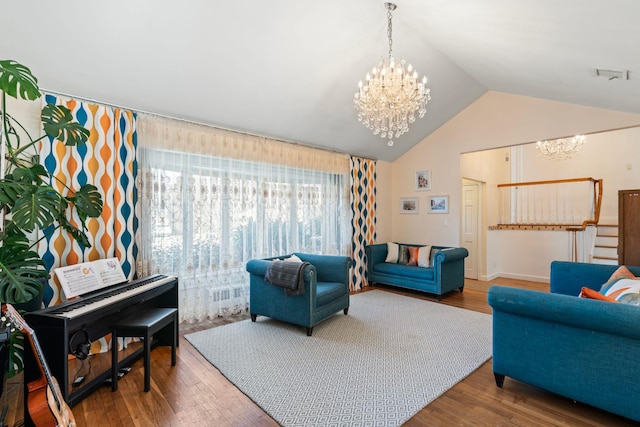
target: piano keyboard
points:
(94, 303)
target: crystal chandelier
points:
(561, 149)
(391, 95)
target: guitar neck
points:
(57, 411)
(44, 369)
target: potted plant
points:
(30, 206)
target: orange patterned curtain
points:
(108, 161)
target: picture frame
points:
(438, 204)
(409, 205)
(423, 180)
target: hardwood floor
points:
(195, 393)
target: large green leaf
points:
(13, 236)
(11, 190)
(88, 201)
(74, 231)
(58, 123)
(21, 274)
(16, 352)
(38, 207)
(16, 80)
(21, 181)
(29, 174)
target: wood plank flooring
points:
(194, 393)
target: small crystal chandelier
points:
(391, 95)
(561, 149)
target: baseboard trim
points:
(529, 278)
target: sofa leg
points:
(461, 289)
(499, 379)
(253, 317)
(439, 297)
(346, 310)
(309, 331)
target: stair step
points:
(605, 249)
(604, 261)
(605, 257)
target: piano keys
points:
(102, 299)
(94, 313)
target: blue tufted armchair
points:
(326, 291)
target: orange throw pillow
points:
(590, 293)
(413, 256)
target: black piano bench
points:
(143, 325)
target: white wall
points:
(494, 120)
(384, 219)
(612, 156)
(27, 113)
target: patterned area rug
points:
(377, 366)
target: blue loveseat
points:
(584, 349)
(326, 291)
(445, 273)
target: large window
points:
(206, 216)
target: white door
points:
(470, 229)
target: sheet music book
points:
(80, 279)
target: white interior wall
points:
(493, 121)
(384, 220)
(27, 113)
(612, 156)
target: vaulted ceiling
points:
(288, 69)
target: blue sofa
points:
(326, 282)
(445, 274)
(584, 349)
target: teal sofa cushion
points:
(327, 292)
(405, 270)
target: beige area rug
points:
(377, 366)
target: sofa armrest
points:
(449, 255)
(258, 267)
(375, 254)
(592, 315)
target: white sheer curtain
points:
(211, 199)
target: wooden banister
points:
(555, 222)
(554, 181)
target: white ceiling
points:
(288, 69)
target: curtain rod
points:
(164, 116)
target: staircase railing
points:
(567, 204)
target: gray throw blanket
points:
(287, 275)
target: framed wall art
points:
(409, 205)
(423, 180)
(438, 204)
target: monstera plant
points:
(33, 202)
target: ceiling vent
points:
(611, 74)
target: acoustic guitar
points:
(44, 399)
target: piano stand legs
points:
(144, 324)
